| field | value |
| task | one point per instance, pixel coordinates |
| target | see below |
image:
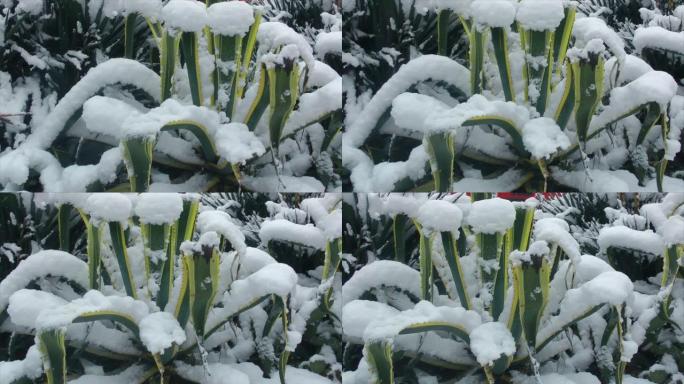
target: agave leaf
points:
(440, 148)
(167, 267)
(567, 103)
(285, 354)
(51, 345)
(452, 328)
(202, 135)
(532, 280)
(248, 51)
(443, 21)
(399, 225)
(588, 77)
(452, 255)
(190, 48)
(283, 97)
(113, 316)
(168, 57)
(476, 56)
(261, 100)
(562, 36)
(94, 238)
(379, 356)
(501, 49)
(129, 35)
(138, 158)
(202, 269)
(425, 261)
(121, 251)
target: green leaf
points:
(129, 35)
(502, 123)
(203, 281)
(425, 261)
(167, 267)
(399, 224)
(190, 48)
(588, 77)
(452, 328)
(567, 103)
(261, 100)
(168, 58)
(440, 149)
(247, 53)
(562, 35)
(443, 22)
(452, 255)
(477, 51)
(138, 159)
(201, 133)
(51, 345)
(113, 316)
(532, 280)
(120, 249)
(501, 49)
(229, 50)
(283, 97)
(379, 356)
(94, 239)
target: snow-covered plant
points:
(170, 292)
(501, 291)
(550, 100)
(660, 40)
(238, 101)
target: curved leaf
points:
(200, 132)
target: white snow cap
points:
(275, 35)
(540, 15)
(493, 13)
(147, 8)
(439, 216)
(185, 15)
(490, 341)
(491, 216)
(221, 223)
(109, 207)
(232, 18)
(542, 137)
(159, 331)
(672, 231)
(285, 230)
(26, 304)
(159, 208)
(461, 7)
(236, 143)
(33, 7)
(103, 115)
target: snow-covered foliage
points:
(513, 301)
(231, 99)
(551, 99)
(178, 287)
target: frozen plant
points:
(170, 291)
(550, 100)
(502, 294)
(239, 101)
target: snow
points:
(556, 231)
(612, 288)
(589, 30)
(380, 274)
(109, 207)
(274, 35)
(411, 110)
(658, 38)
(328, 43)
(111, 72)
(158, 208)
(159, 331)
(92, 301)
(672, 231)
(424, 312)
(221, 223)
(185, 15)
(273, 279)
(625, 237)
(491, 216)
(460, 7)
(423, 68)
(477, 106)
(147, 8)
(284, 230)
(493, 13)
(357, 314)
(439, 216)
(543, 138)
(540, 15)
(490, 341)
(103, 115)
(236, 144)
(233, 18)
(31, 367)
(33, 7)
(170, 111)
(41, 265)
(313, 106)
(26, 304)
(213, 373)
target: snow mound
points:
(109, 207)
(490, 341)
(221, 223)
(439, 216)
(185, 15)
(284, 230)
(159, 331)
(540, 15)
(159, 208)
(491, 216)
(543, 138)
(233, 18)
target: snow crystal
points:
(236, 143)
(625, 237)
(233, 18)
(540, 15)
(379, 274)
(423, 312)
(493, 13)
(43, 264)
(439, 216)
(284, 230)
(185, 15)
(158, 208)
(490, 341)
(543, 138)
(109, 207)
(491, 216)
(92, 301)
(221, 223)
(159, 331)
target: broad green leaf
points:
(120, 249)
(51, 345)
(190, 48)
(283, 97)
(453, 258)
(379, 356)
(168, 58)
(138, 158)
(476, 55)
(203, 281)
(588, 77)
(113, 316)
(501, 49)
(202, 135)
(129, 35)
(399, 225)
(440, 149)
(261, 100)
